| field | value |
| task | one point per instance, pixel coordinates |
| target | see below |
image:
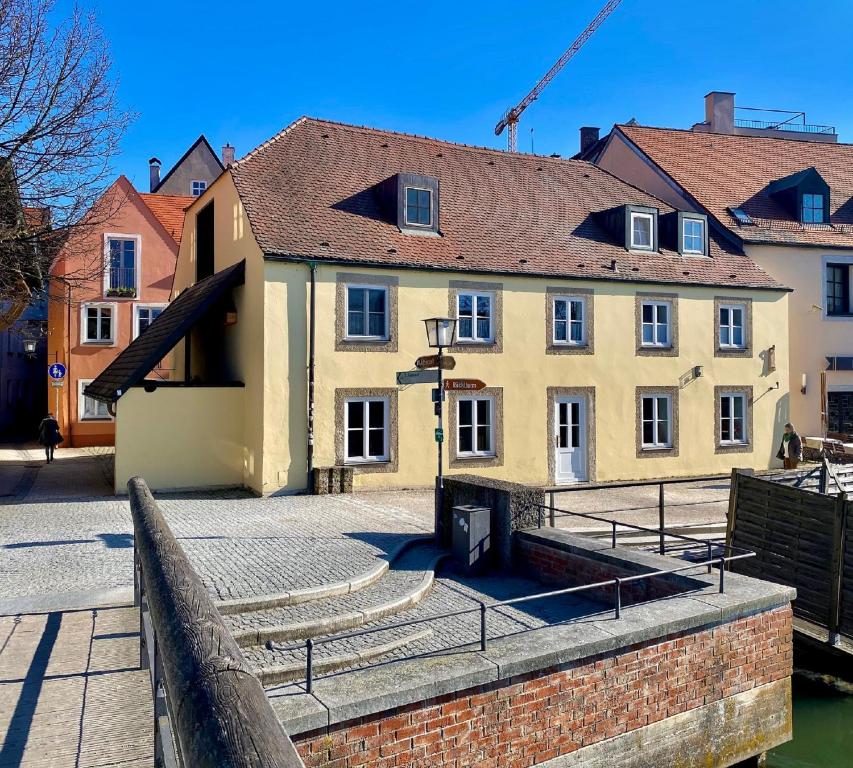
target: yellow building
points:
(590, 309)
(785, 201)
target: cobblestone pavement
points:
(451, 592)
(71, 692)
(404, 576)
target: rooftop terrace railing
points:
(210, 710)
(735, 553)
(776, 125)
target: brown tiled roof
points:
(169, 211)
(36, 218)
(721, 171)
(309, 193)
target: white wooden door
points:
(570, 439)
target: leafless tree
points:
(60, 127)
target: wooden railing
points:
(210, 709)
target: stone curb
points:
(331, 624)
(308, 594)
(110, 597)
(286, 673)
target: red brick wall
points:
(568, 569)
(528, 719)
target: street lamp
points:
(441, 332)
(30, 346)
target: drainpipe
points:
(312, 266)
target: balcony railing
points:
(121, 282)
(777, 125)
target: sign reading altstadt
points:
(445, 362)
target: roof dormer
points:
(411, 200)
(804, 195)
(633, 226)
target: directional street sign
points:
(56, 371)
(446, 362)
(463, 385)
(417, 377)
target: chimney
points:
(588, 137)
(227, 155)
(720, 112)
(153, 174)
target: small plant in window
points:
(122, 292)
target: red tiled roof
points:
(308, 192)
(169, 210)
(721, 171)
(36, 218)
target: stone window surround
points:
(496, 289)
(342, 281)
(746, 350)
(476, 462)
(746, 447)
(589, 394)
(653, 453)
(672, 349)
(341, 396)
(588, 295)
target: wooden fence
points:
(210, 709)
(802, 538)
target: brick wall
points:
(526, 720)
(562, 568)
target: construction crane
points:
(510, 120)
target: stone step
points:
(334, 657)
(403, 585)
(451, 592)
(321, 591)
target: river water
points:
(823, 725)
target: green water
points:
(823, 725)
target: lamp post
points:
(440, 334)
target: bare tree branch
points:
(60, 127)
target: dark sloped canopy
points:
(146, 350)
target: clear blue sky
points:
(240, 71)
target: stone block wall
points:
(710, 697)
(513, 505)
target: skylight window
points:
(742, 216)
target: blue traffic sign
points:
(56, 371)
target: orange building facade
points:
(117, 281)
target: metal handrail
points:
(483, 608)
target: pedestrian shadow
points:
(110, 540)
(20, 724)
(116, 540)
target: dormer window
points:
(812, 212)
(692, 233)
(418, 211)
(642, 231)
(411, 202)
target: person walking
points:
(791, 449)
(49, 435)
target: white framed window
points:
(812, 209)
(144, 315)
(732, 334)
(366, 429)
(89, 409)
(418, 208)
(367, 312)
(475, 427)
(657, 421)
(642, 230)
(656, 321)
(197, 187)
(569, 320)
(693, 236)
(474, 317)
(733, 429)
(122, 254)
(97, 323)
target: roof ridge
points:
(402, 134)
